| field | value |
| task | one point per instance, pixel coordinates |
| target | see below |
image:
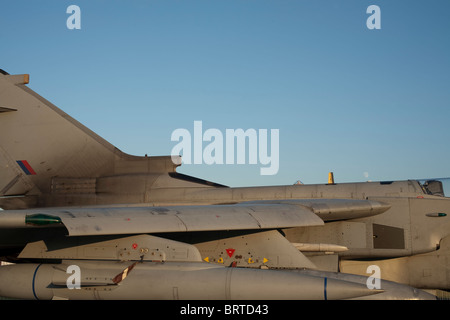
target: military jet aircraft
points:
(83, 220)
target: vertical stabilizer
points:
(38, 141)
(45, 154)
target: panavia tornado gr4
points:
(83, 220)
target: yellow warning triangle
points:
(265, 260)
(206, 259)
(220, 260)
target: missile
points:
(167, 281)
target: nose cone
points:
(288, 285)
(340, 289)
(388, 290)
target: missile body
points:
(167, 281)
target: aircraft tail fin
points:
(40, 146)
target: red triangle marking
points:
(230, 252)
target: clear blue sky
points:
(365, 104)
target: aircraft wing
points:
(243, 216)
(138, 220)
